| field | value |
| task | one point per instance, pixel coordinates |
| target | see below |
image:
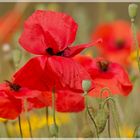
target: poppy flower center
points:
(120, 43)
(103, 65)
(14, 87)
(50, 52)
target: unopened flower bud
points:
(86, 84)
(101, 118)
(132, 10)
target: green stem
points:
(28, 117)
(101, 94)
(135, 131)
(53, 112)
(90, 115)
(47, 121)
(136, 41)
(20, 127)
(109, 132)
(7, 130)
(114, 114)
(29, 124)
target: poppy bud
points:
(17, 56)
(101, 118)
(53, 130)
(86, 84)
(132, 10)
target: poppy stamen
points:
(103, 65)
(120, 43)
(14, 87)
(50, 52)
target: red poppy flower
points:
(117, 41)
(66, 101)
(106, 74)
(12, 97)
(8, 24)
(51, 34)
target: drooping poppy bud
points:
(101, 118)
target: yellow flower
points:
(37, 122)
(133, 59)
(126, 131)
(2, 120)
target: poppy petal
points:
(68, 101)
(31, 74)
(48, 29)
(61, 72)
(10, 108)
(72, 51)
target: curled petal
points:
(64, 73)
(72, 51)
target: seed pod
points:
(132, 10)
(86, 132)
(101, 118)
(86, 84)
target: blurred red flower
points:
(106, 74)
(51, 34)
(12, 98)
(117, 41)
(8, 24)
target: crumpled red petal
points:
(61, 72)
(48, 29)
(68, 101)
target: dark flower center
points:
(103, 65)
(120, 43)
(50, 52)
(14, 87)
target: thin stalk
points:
(47, 121)
(135, 131)
(114, 114)
(136, 42)
(90, 115)
(20, 127)
(53, 112)
(29, 124)
(109, 130)
(28, 117)
(7, 130)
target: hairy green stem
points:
(53, 112)
(90, 115)
(20, 127)
(136, 42)
(114, 114)
(47, 121)
(109, 131)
